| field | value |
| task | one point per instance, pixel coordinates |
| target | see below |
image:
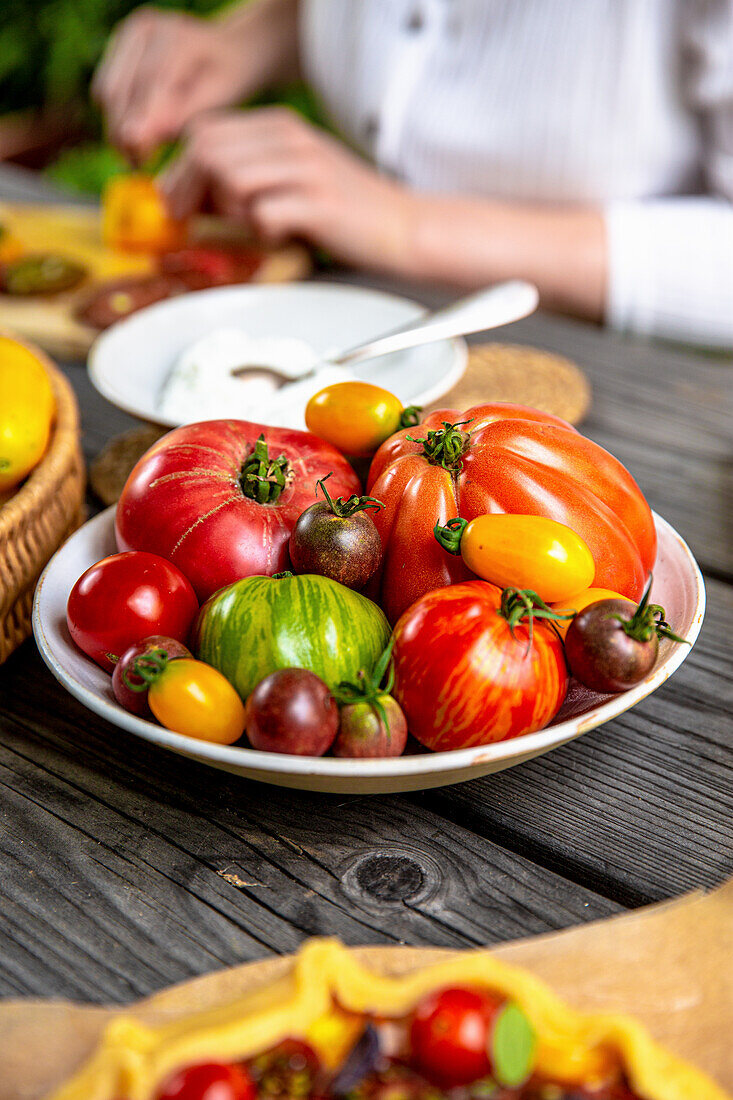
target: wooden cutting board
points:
(74, 231)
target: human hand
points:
(160, 69)
(285, 178)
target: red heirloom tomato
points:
(464, 677)
(209, 1081)
(501, 458)
(125, 598)
(221, 498)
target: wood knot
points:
(390, 878)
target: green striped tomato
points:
(260, 624)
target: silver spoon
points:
(489, 308)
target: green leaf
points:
(512, 1047)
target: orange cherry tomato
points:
(356, 417)
(136, 219)
(516, 551)
(578, 601)
(194, 699)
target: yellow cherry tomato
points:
(135, 217)
(522, 552)
(27, 408)
(356, 417)
(579, 600)
(194, 699)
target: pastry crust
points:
(133, 1058)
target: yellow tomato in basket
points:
(26, 411)
(357, 417)
(529, 552)
(579, 600)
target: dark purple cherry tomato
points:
(125, 680)
(291, 1069)
(364, 733)
(292, 711)
(337, 539)
(612, 645)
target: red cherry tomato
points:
(450, 1034)
(211, 1081)
(125, 598)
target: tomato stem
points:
(369, 689)
(410, 416)
(445, 446)
(648, 619)
(449, 536)
(349, 507)
(523, 605)
(149, 667)
(264, 479)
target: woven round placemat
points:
(523, 376)
(111, 468)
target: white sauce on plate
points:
(201, 385)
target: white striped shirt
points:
(623, 104)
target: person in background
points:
(586, 145)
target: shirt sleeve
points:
(670, 260)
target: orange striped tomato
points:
(463, 677)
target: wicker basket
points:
(40, 515)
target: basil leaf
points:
(512, 1047)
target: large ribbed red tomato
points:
(221, 498)
(463, 678)
(502, 458)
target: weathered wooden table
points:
(125, 868)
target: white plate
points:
(130, 363)
(678, 586)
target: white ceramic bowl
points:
(678, 586)
(130, 363)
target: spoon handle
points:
(488, 308)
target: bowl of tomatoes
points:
(494, 585)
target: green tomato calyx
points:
(264, 479)
(648, 620)
(445, 446)
(410, 417)
(148, 667)
(520, 605)
(369, 688)
(351, 505)
(450, 534)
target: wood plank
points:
(127, 868)
(641, 808)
